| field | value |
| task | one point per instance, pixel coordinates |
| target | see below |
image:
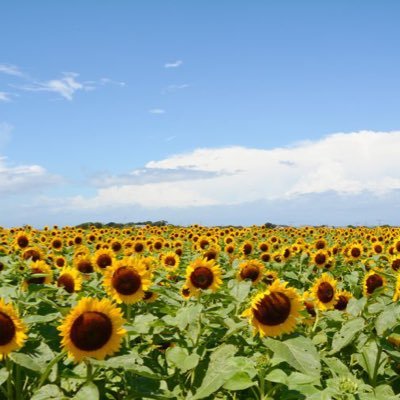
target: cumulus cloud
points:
(348, 164)
(21, 179)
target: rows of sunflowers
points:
(200, 313)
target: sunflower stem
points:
(47, 371)
(9, 366)
(18, 391)
(89, 371)
(377, 365)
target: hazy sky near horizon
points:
(210, 112)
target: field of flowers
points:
(200, 313)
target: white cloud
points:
(174, 88)
(174, 64)
(21, 179)
(106, 81)
(5, 97)
(65, 86)
(10, 69)
(157, 111)
(345, 164)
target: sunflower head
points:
(275, 311)
(170, 261)
(251, 270)
(203, 274)
(324, 292)
(92, 329)
(13, 332)
(40, 274)
(70, 279)
(127, 280)
(343, 298)
(103, 259)
(373, 280)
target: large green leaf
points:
(299, 352)
(346, 334)
(49, 392)
(88, 391)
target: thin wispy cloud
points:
(10, 69)
(106, 81)
(6, 130)
(174, 88)
(157, 111)
(169, 138)
(174, 64)
(5, 97)
(66, 86)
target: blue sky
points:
(121, 111)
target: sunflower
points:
(32, 253)
(324, 292)
(57, 244)
(372, 281)
(12, 329)
(270, 276)
(92, 329)
(139, 247)
(185, 292)
(149, 296)
(83, 263)
(396, 295)
(251, 270)
(320, 258)
(36, 268)
(70, 279)
(355, 252)
(170, 261)
(395, 263)
(247, 248)
(22, 240)
(343, 298)
(203, 274)
(102, 259)
(127, 280)
(309, 305)
(275, 311)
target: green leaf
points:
(239, 381)
(368, 356)
(219, 371)
(388, 319)
(25, 361)
(48, 392)
(88, 391)
(3, 375)
(31, 319)
(354, 307)
(277, 376)
(240, 290)
(346, 334)
(181, 359)
(299, 352)
(336, 366)
(142, 323)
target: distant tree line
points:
(86, 225)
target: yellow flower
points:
(92, 329)
(324, 292)
(251, 270)
(372, 281)
(275, 311)
(203, 274)
(12, 329)
(70, 279)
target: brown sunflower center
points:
(247, 248)
(104, 261)
(273, 309)
(7, 329)
(139, 247)
(91, 331)
(157, 245)
(202, 277)
(378, 248)
(116, 246)
(320, 245)
(126, 281)
(325, 292)
(373, 282)
(37, 280)
(263, 247)
(85, 267)
(250, 272)
(147, 295)
(23, 241)
(60, 262)
(355, 252)
(310, 308)
(31, 253)
(396, 264)
(320, 259)
(57, 244)
(67, 282)
(170, 261)
(341, 303)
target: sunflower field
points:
(200, 313)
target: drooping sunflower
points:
(103, 259)
(373, 281)
(70, 279)
(92, 329)
(127, 280)
(324, 292)
(251, 270)
(12, 329)
(343, 298)
(275, 311)
(170, 261)
(39, 268)
(203, 274)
